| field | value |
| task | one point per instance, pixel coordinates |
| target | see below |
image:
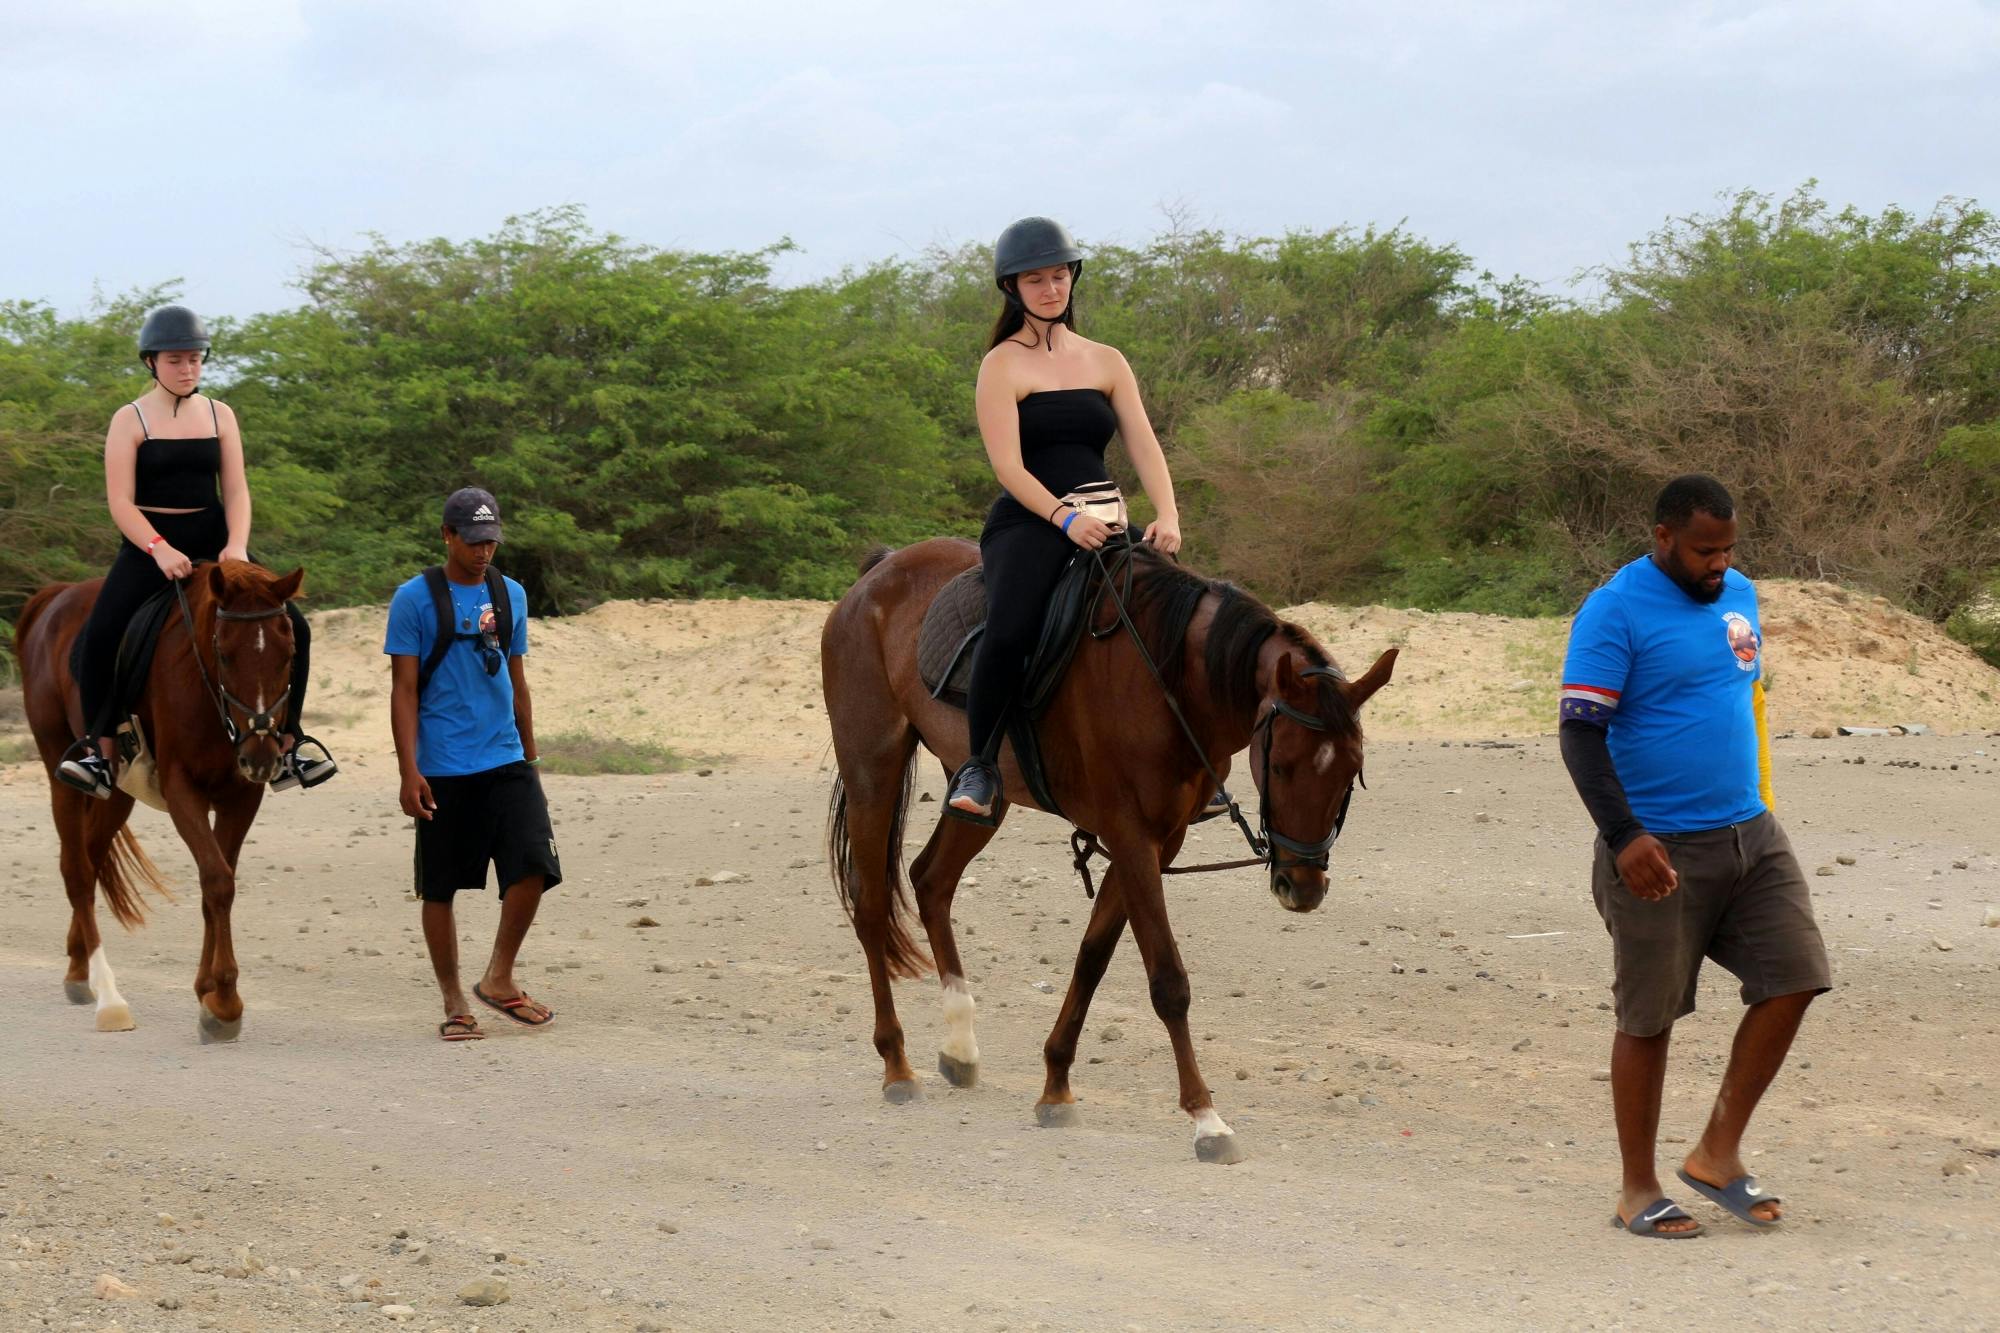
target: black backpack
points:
(447, 633)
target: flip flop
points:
(508, 1007)
(1647, 1223)
(468, 1028)
(1738, 1197)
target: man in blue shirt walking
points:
(465, 742)
(1663, 733)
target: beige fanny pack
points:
(1101, 500)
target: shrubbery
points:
(1352, 415)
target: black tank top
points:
(177, 474)
(1063, 435)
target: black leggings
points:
(134, 577)
(1024, 561)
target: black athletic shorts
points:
(498, 817)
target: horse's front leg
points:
(1167, 980)
(1057, 1107)
(221, 1016)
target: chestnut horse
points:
(1121, 764)
(225, 654)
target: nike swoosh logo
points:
(1753, 1189)
(1656, 1214)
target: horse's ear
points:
(1289, 681)
(217, 585)
(1358, 691)
(288, 587)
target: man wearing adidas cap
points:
(465, 741)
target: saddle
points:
(135, 655)
(951, 630)
(138, 776)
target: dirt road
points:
(699, 1143)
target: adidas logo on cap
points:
(482, 515)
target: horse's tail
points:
(876, 555)
(900, 951)
(123, 871)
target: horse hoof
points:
(958, 1073)
(1058, 1115)
(115, 1018)
(79, 992)
(901, 1092)
(1222, 1149)
(212, 1029)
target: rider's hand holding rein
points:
(171, 562)
(1087, 532)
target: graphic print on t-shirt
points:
(1744, 640)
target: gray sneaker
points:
(88, 774)
(306, 764)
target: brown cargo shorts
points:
(1742, 900)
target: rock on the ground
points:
(110, 1288)
(485, 1291)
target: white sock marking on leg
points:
(104, 983)
(959, 1042)
(1209, 1124)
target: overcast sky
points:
(212, 141)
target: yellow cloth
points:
(1763, 744)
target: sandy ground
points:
(699, 1141)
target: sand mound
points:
(741, 678)
(1835, 657)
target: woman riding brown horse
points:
(214, 707)
(1049, 401)
(1133, 776)
(178, 494)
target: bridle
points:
(262, 723)
(1265, 842)
(1314, 855)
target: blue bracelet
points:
(1071, 519)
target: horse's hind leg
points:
(935, 876)
(86, 833)
(872, 791)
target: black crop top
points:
(177, 474)
(1063, 436)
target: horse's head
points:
(1305, 757)
(250, 640)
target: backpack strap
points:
(446, 631)
(503, 609)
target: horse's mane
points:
(1163, 601)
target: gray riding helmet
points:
(1033, 243)
(172, 328)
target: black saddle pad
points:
(135, 655)
(957, 617)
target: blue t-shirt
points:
(1670, 679)
(465, 719)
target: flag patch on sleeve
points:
(1588, 703)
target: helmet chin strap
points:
(153, 368)
(1045, 328)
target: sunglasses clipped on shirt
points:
(490, 655)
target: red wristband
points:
(157, 539)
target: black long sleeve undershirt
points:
(1586, 753)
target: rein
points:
(1264, 842)
(261, 723)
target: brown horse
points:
(226, 654)
(1120, 765)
